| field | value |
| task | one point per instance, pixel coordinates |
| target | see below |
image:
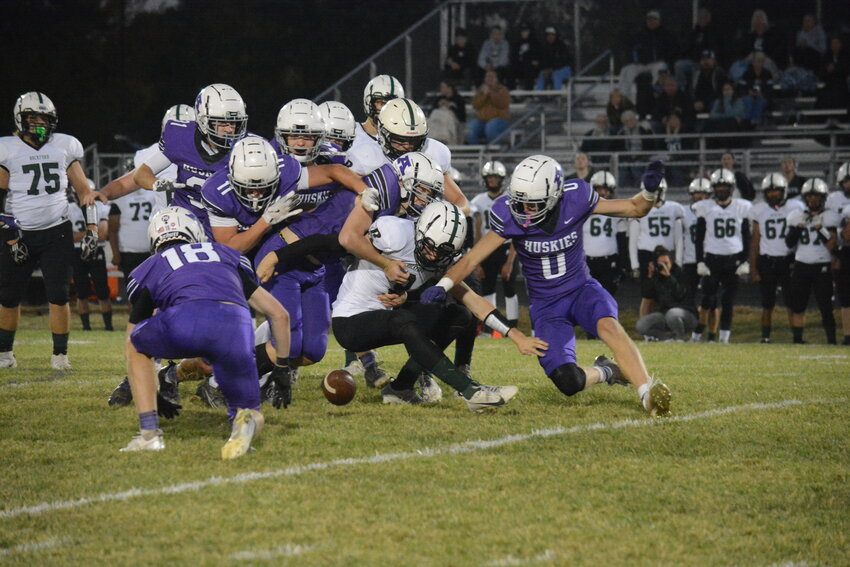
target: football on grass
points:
(339, 387)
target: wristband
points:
(498, 322)
(446, 283)
(281, 361)
(648, 195)
(91, 215)
(824, 233)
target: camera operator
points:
(671, 310)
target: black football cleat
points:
(616, 374)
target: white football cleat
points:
(656, 400)
(244, 427)
(60, 362)
(431, 391)
(7, 360)
(355, 367)
(490, 397)
(139, 443)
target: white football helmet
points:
(300, 117)
(774, 182)
(722, 183)
(494, 169)
(604, 179)
(253, 172)
(699, 185)
(440, 234)
(843, 176)
(421, 181)
(536, 187)
(814, 187)
(220, 103)
(174, 224)
(382, 88)
(181, 112)
(401, 122)
(38, 104)
(340, 126)
(661, 194)
(455, 175)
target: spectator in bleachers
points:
(757, 74)
(810, 45)
(765, 39)
(447, 120)
(708, 81)
(653, 48)
(525, 58)
(592, 144)
(632, 165)
(555, 62)
(492, 103)
(788, 166)
(582, 168)
(742, 182)
(674, 144)
(460, 61)
(618, 103)
(727, 111)
(755, 107)
(835, 68)
(703, 38)
(495, 55)
(672, 100)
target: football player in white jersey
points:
(371, 311)
(699, 189)
(723, 240)
(813, 230)
(770, 257)
(661, 227)
(839, 202)
(36, 165)
(91, 271)
(605, 239)
(502, 262)
(399, 127)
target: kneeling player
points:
(372, 312)
(200, 290)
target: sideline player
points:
(839, 201)
(90, 267)
(605, 240)
(36, 165)
(544, 217)
(201, 291)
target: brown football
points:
(339, 387)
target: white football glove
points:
(282, 208)
(370, 199)
(743, 269)
(816, 221)
(702, 269)
(88, 246)
(167, 185)
(20, 252)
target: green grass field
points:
(753, 469)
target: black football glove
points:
(283, 386)
(165, 408)
(652, 176)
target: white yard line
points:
(33, 546)
(266, 554)
(458, 448)
(509, 560)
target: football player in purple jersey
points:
(201, 292)
(543, 216)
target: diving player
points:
(543, 216)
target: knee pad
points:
(569, 378)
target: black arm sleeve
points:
(746, 238)
(792, 236)
(249, 283)
(700, 238)
(3, 193)
(143, 307)
(313, 244)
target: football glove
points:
(165, 408)
(282, 208)
(167, 185)
(653, 175)
(88, 246)
(816, 221)
(19, 251)
(8, 221)
(370, 199)
(743, 269)
(702, 269)
(282, 377)
(434, 294)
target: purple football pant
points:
(302, 294)
(554, 320)
(222, 333)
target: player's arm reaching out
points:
(640, 204)
(319, 175)
(145, 174)
(353, 238)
